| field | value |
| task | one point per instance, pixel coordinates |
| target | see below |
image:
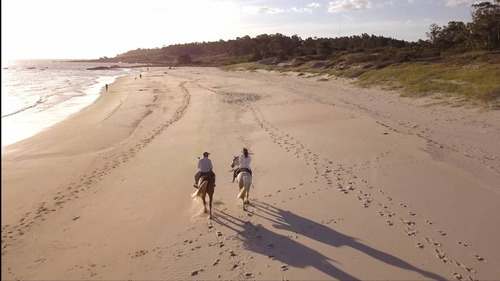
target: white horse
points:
(244, 180)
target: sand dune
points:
(349, 184)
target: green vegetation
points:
(459, 59)
(479, 82)
(471, 76)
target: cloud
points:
(348, 5)
(314, 5)
(256, 10)
(301, 10)
(384, 4)
(455, 3)
(309, 8)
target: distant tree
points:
(281, 55)
(324, 48)
(261, 47)
(256, 56)
(482, 33)
(434, 33)
(297, 45)
(486, 24)
(310, 46)
(184, 59)
(457, 34)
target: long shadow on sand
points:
(260, 240)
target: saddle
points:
(244, 170)
(210, 176)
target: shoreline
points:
(348, 183)
(84, 102)
(52, 101)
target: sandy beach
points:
(348, 184)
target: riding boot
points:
(234, 174)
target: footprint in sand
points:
(440, 254)
(411, 232)
(194, 273)
(140, 253)
(407, 222)
(458, 276)
(464, 267)
(429, 240)
(479, 258)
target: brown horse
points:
(206, 185)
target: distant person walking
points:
(106, 87)
(140, 76)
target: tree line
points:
(483, 33)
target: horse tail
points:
(202, 188)
(246, 181)
(242, 193)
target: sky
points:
(90, 29)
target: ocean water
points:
(37, 94)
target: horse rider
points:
(204, 168)
(244, 165)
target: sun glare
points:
(91, 29)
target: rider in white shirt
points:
(244, 160)
(205, 167)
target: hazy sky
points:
(95, 28)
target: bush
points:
(184, 59)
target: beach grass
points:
(472, 82)
(475, 81)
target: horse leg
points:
(210, 203)
(204, 205)
(248, 195)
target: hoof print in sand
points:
(479, 258)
